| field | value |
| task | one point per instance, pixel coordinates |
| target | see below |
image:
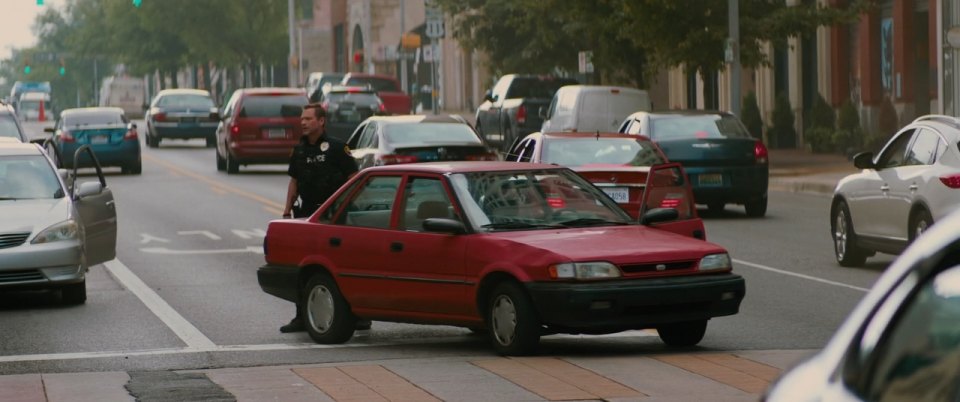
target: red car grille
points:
(657, 267)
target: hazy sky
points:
(16, 18)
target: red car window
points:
(372, 206)
(424, 198)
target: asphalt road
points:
(183, 291)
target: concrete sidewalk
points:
(805, 172)
(727, 376)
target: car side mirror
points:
(658, 215)
(132, 126)
(863, 160)
(88, 188)
(444, 225)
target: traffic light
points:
(136, 3)
(39, 2)
(63, 67)
(26, 69)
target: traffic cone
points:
(42, 116)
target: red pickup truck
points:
(387, 88)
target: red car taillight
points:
(383, 108)
(521, 115)
(234, 129)
(131, 134)
(66, 136)
(483, 157)
(952, 181)
(760, 152)
(397, 159)
(160, 117)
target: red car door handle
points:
(396, 246)
(335, 241)
(884, 188)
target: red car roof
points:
(461, 167)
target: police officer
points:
(319, 165)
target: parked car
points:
(619, 164)
(51, 234)
(347, 107)
(389, 140)
(259, 126)
(10, 124)
(181, 114)
(387, 87)
(318, 80)
(511, 109)
(106, 130)
(912, 183)
(901, 342)
(592, 108)
(518, 249)
(725, 162)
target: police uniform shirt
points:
(321, 168)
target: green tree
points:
(782, 133)
(820, 133)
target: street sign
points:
(585, 62)
(433, 21)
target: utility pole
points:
(290, 56)
(403, 51)
(733, 50)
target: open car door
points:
(668, 187)
(98, 214)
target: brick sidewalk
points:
(726, 376)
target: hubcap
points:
(504, 320)
(921, 227)
(840, 234)
(320, 309)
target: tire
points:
(74, 294)
(513, 322)
(326, 314)
(211, 142)
(757, 207)
(920, 221)
(232, 165)
(682, 334)
(221, 163)
(845, 247)
(135, 167)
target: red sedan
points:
(620, 165)
(518, 249)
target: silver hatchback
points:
(51, 233)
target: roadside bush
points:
(849, 135)
(782, 134)
(751, 115)
(820, 127)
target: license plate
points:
(619, 194)
(99, 139)
(277, 133)
(188, 119)
(711, 179)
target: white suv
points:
(912, 183)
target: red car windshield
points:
(535, 199)
(580, 151)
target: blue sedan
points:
(181, 114)
(112, 137)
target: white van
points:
(126, 93)
(29, 105)
(593, 108)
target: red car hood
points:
(615, 244)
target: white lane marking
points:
(206, 233)
(189, 334)
(164, 250)
(250, 234)
(624, 334)
(807, 277)
(146, 238)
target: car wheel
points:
(136, 167)
(211, 142)
(149, 139)
(74, 294)
(513, 322)
(326, 314)
(920, 221)
(221, 163)
(232, 165)
(756, 207)
(845, 239)
(682, 334)
(715, 207)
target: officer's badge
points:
(324, 146)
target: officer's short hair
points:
(318, 109)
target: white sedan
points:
(913, 182)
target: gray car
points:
(51, 233)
